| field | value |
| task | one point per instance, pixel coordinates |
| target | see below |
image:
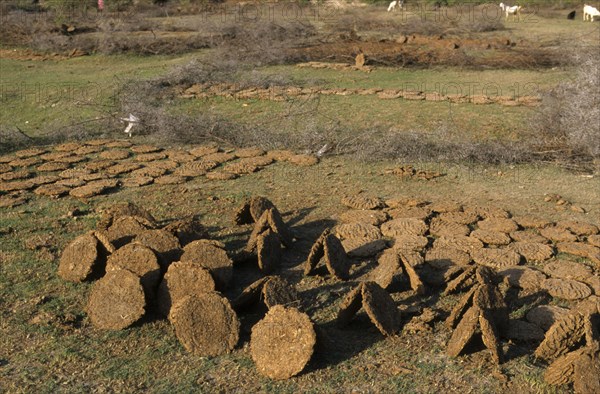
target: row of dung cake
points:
(86, 169)
(281, 93)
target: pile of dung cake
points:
(175, 271)
(497, 261)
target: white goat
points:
(396, 5)
(515, 10)
(591, 12)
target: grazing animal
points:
(571, 15)
(515, 10)
(396, 5)
(591, 12)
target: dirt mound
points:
(140, 260)
(181, 280)
(211, 256)
(282, 343)
(81, 259)
(116, 301)
(205, 324)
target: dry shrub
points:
(262, 43)
(569, 117)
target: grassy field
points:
(48, 343)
